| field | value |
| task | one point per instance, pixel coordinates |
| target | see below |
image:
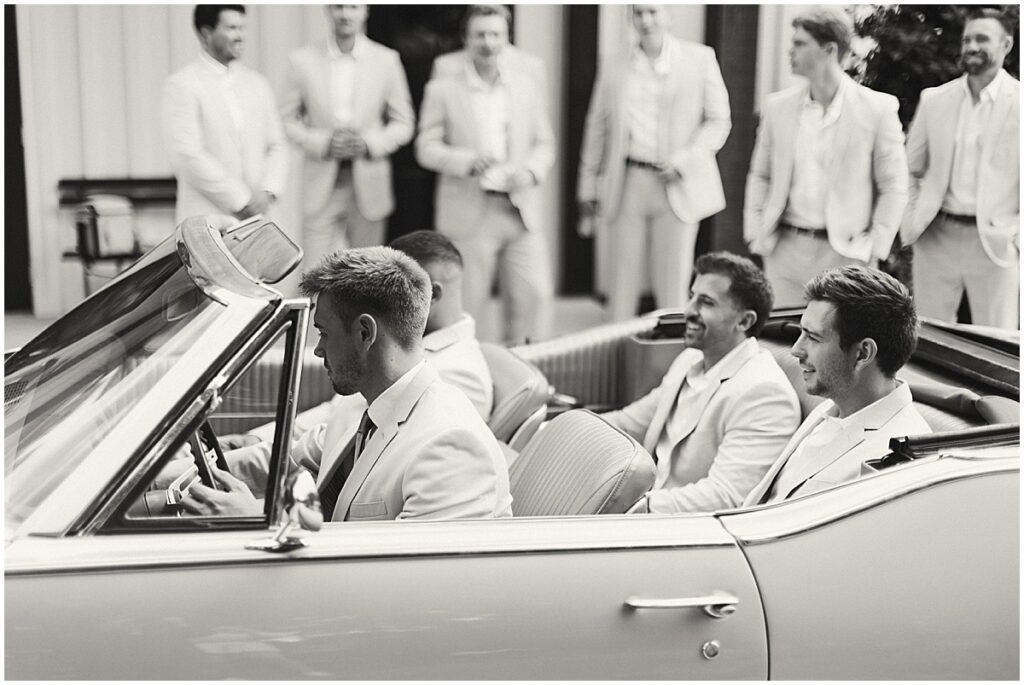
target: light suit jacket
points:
(383, 116)
(894, 417)
(867, 180)
(447, 142)
(694, 124)
(930, 146)
(218, 166)
(741, 421)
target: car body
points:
(911, 572)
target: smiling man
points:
(725, 409)
(859, 329)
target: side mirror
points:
(302, 512)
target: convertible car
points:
(911, 571)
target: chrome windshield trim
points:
(784, 520)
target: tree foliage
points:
(918, 46)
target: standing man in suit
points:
(221, 125)
(484, 129)
(828, 180)
(420, 449)
(964, 212)
(347, 106)
(859, 329)
(648, 173)
(725, 409)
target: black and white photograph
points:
(511, 342)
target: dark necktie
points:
(332, 485)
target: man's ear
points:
(867, 352)
(748, 320)
(436, 291)
(366, 326)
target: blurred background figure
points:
(346, 104)
(827, 184)
(484, 128)
(964, 211)
(647, 172)
(221, 125)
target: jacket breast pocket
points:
(376, 510)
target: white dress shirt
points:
(804, 457)
(229, 82)
(343, 67)
(491, 111)
(972, 122)
(644, 93)
(815, 144)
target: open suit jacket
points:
(447, 142)
(738, 426)
(843, 457)
(867, 177)
(695, 122)
(930, 146)
(383, 116)
(219, 166)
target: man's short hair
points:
(486, 11)
(428, 247)
(209, 15)
(1004, 19)
(380, 281)
(869, 304)
(827, 25)
(747, 284)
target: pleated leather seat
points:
(580, 465)
(521, 394)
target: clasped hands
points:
(517, 178)
(346, 144)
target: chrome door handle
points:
(716, 605)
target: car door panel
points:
(427, 600)
(921, 585)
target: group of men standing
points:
(346, 105)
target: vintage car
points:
(911, 571)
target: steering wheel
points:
(206, 448)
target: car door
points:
(496, 599)
(911, 574)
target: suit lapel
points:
(517, 117)
(671, 388)
(1000, 111)
(843, 443)
(382, 437)
(786, 128)
(948, 124)
(813, 419)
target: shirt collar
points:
(696, 372)
(218, 68)
(358, 48)
(460, 331)
(834, 107)
(383, 410)
(989, 92)
(876, 413)
(477, 83)
(660, 64)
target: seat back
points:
(579, 465)
(520, 392)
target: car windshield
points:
(69, 387)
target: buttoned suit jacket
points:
(219, 167)
(694, 124)
(844, 456)
(930, 147)
(448, 142)
(740, 423)
(866, 181)
(382, 113)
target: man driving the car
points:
(421, 449)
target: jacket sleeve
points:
(453, 476)
(759, 179)
(757, 428)
(433, 150)
(314, 141)
(594, 151)
(636, 418)
(399, 120)
(713, 131)
(889, 166)
(190, 160)
(917, 162)
(275, 175)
